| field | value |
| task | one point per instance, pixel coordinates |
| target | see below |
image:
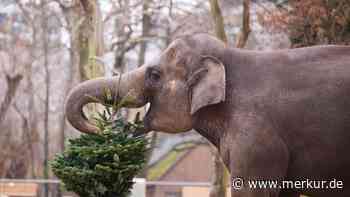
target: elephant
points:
(279, 115)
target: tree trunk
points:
(146, 27)
(45, 36)
(218, 20)
(132, 113)
(74, 18)
(31, 131)
(168, 29)
(68, 86)
(221, 174)
(32, 113)
(219, 181)
(90, 40)
(90, 43)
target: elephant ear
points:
(208, 84)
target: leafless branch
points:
(25, 13)
(12, 85)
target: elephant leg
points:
(259, 158)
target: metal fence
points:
(29, 187)
(142, 188)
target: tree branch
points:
(12, 85)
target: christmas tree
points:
(104, 164)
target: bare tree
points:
(146, 27)
(90, 40)
(72, 17)
(220, 175)
(219, 180)
(45, 47)
(27, 112)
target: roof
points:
(166, 142)
(169, 160)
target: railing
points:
(179, 183)
(142, 188)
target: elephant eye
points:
(154, 75)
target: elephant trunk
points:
(128, 85)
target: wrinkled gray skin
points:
(280, 115)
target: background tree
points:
(91, 40)
(12, 85)
(221, 174)
(310, 22)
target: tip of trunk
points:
(78, 119)
(81, 95)
(128, 86)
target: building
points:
(186, 162)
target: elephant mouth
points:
(148, 119)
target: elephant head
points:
(188, 75)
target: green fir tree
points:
(103, 165)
